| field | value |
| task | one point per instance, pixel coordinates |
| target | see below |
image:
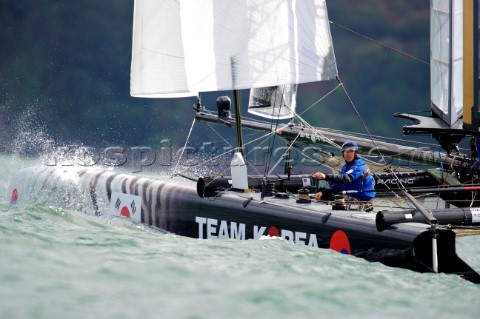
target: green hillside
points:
(65, 71)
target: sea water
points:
(61, 263)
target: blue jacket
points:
(354, 176)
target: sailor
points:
(354, 176)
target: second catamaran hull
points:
(177, 208)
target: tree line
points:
(65, 67)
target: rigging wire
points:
(316, 133)
(360, 118)
(379, 43)
(348, 96)
(281, 157)
(183, 149)
(218, 134)
(368, 131)
(351, 102)
(318, 160)
(270, 154)
(321, 99)
(266, 136)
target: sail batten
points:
(188, 46)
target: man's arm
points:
(339, 178)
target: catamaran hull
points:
(177, 208)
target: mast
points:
(238, 120)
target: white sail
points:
(181, 47)
(446, 59)
(157, 50)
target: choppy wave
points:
(61, 262)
